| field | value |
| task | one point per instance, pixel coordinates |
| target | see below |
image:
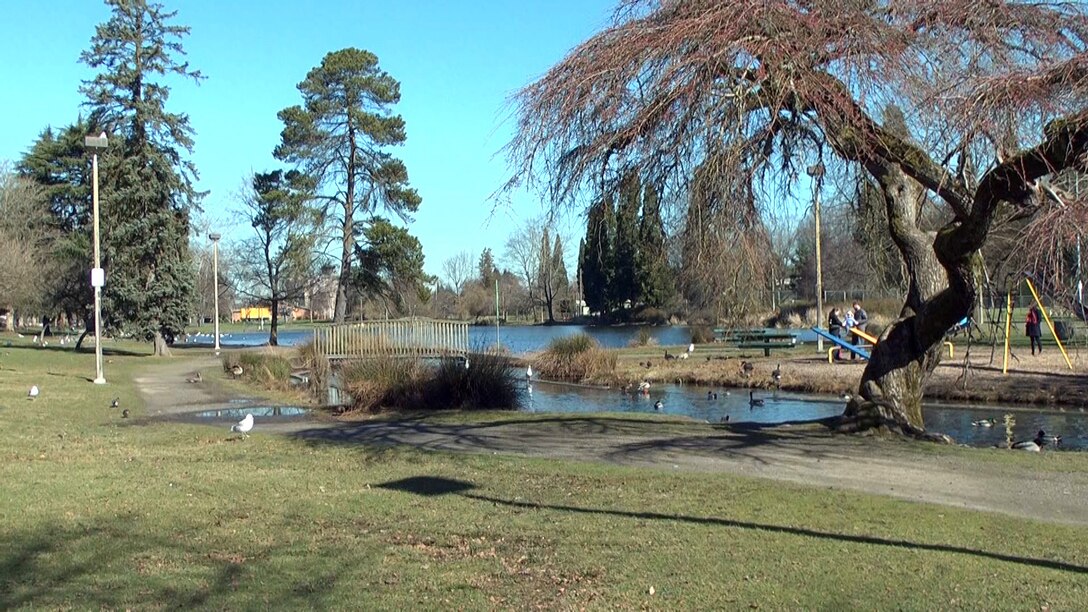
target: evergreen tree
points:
(624, 285)
(277, 264)
(652, 264)
(596, 262)
(390, 264)
(339, 137)
(487, 269)
(147, 187)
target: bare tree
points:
(25, 243)
(771, 88)
(458, 270)
(522, 254)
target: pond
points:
(781, 407)
(264, 412)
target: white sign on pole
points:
(98, 277)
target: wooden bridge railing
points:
(415, 336)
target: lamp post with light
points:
(98, 275)
(817, 173)
(215, 275)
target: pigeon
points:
(243, 426)
(115, 403)
(33, 393)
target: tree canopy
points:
(756, 93)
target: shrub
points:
(265, 368)
(575, 358)
(702, 334)
(651, 316)
(489, 383)
(644, 338)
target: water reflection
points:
(693, 401)
(256, 411)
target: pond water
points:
(235, 414)
(780, 407)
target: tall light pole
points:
(817, 174)
(98, 275)
(215, 274)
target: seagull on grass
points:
(244, 426)
(33, 393)
(115, 403)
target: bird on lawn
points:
(1027, 445)
(33, 393)
(244, 426)
(236, 370)
(746, 368)
(691, 348)
(198, 377)
(777, 375)
(753, 401)
(124, 413)
(115, 403)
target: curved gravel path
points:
(801, 454)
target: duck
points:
(752, 400)
(115, 403)
(777, 375)
(746, 368)
(658, 405)
(725, 419)
(709, 395)
(1043, 438)
(1027, 445)
(668, 356)
(124, 413)
(984, 423)
(236, 370)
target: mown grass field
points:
(102, 512)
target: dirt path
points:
(801, 454)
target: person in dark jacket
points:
(834, 327)
(1031, 328)
(861, 320)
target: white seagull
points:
(529, 373)
(33, 393)
(243, 426)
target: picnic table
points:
(765, 339)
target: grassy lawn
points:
(97, 511)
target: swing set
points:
(1046, 317)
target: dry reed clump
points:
(487, 382)
(309, 358)
(269, 369)
(644, 338)
(575, 358)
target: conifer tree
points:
(624, 285)
(596, 261)
(652, 265)
(147, 185)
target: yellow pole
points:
(1049, 323)
(1008, 332)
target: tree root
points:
(883, 417)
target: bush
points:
(575, 358)
(651, 316)
(702, 334)
(318, 365)
(489, 383)
(645, 338)
(265, 368)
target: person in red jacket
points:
(1031, 328)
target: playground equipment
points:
(872, 340)
(857, 350)
(1046, 317)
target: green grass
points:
(98, 512)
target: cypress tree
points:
(654, 277)
(625, 285)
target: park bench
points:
(769, 341)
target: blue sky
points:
(458, 62)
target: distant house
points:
(251, 313)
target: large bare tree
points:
(774, 87)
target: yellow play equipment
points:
(871, 339)
(1046, 317)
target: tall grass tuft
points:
(311, 359)
(268, 369)
(388, 383)
(702, 334)
(644, 338)
(575, 358)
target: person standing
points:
(861, 320)
(834, 327)
(1031, 328)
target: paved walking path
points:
(799, 454)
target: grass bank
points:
(99, 511)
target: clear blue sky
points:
(457, 61)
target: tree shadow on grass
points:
(435, 486)
(120, 564)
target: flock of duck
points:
(1035, 444)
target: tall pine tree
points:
(147, 187)
(624, 285)
(597, 256)
(339, 136)
(652, 263)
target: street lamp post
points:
(98, 276)
(215, 275)
(817, 173)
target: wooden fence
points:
(415, 336)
